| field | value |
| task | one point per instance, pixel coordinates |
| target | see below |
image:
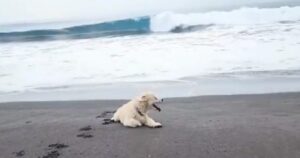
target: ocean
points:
(243, 43)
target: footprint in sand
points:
(85, 134)
(52, 154)
(106, 120)
(105, 113)
(19, 153)
(54, 150)
(86, 128)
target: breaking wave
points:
(163, 22)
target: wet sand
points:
(252, 82)
(237, 126)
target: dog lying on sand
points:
(134, 113)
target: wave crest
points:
(167, 21)
(114, 28)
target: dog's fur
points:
(134, 113)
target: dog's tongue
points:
(156, 107)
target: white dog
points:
(134, 113)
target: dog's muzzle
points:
(156, 107)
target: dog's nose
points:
(162, 100)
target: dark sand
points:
(240, 126)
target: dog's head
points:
(151, 101)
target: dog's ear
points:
(143, 98)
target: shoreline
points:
(219, 84)
(171, 98)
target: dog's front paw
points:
(157, 125)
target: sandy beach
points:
(228, 72)
(237, 126)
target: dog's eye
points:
(155, 98)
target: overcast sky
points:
(35, 11)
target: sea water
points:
(162, 48)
